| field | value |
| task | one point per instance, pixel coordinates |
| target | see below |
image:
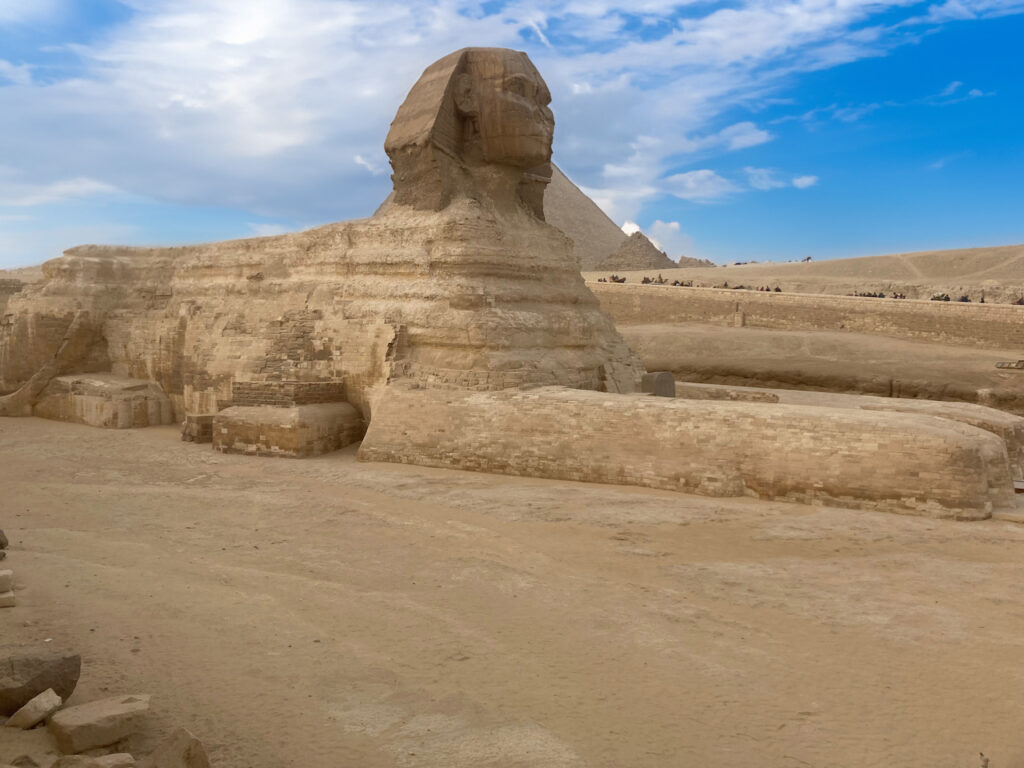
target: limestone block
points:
(104, 400)
(98, 723)
(198, 427)
(116, 760)
(27, 671)
(6, 580)
(180, 750)
(7, 599)
(37, 710)
(305, 430)
(659, 384)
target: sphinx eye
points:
(517, 85)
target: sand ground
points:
(327, 613)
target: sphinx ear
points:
(465, 98)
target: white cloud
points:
(699, 186)
(631, 227)
(266, 230)
(22, 195)
(764, 178)
(27, 11)
(375, 168)
(743, 135)
(282, 109)
(769, 178)
(19, 74)
(950, 89)
(669, 237)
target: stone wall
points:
(104, 400)
(896, 462)
(284, 394)
(306, 430)
(988, 325)
(8, 288)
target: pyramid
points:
(637, 252)
(594, 235)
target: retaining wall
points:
(988, 325)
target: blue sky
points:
(727, 130)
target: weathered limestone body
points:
(458, 283)
(768, 451)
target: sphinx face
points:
(516, 126)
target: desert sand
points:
(998, 271)
(325, 613)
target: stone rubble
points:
(98, 723)
(180, 750)
(35, 711)
(29, 670)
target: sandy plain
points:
(995, 272)
(327, 612)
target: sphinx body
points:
(435, 316)
(458, 282)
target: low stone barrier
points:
(898, 462)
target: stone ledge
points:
(296, 432)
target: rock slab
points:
(180, 750)
(98, 723)
(37, 710)
(7, 599)
(27, 671)
(6, 581)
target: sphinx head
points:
(476, 123)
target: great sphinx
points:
(455, 326)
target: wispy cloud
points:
(703, 186)
(281, 110)
(769, 178)
(25, 195)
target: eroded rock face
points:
(458, 283)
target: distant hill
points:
(636, 252)
(594, 235)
